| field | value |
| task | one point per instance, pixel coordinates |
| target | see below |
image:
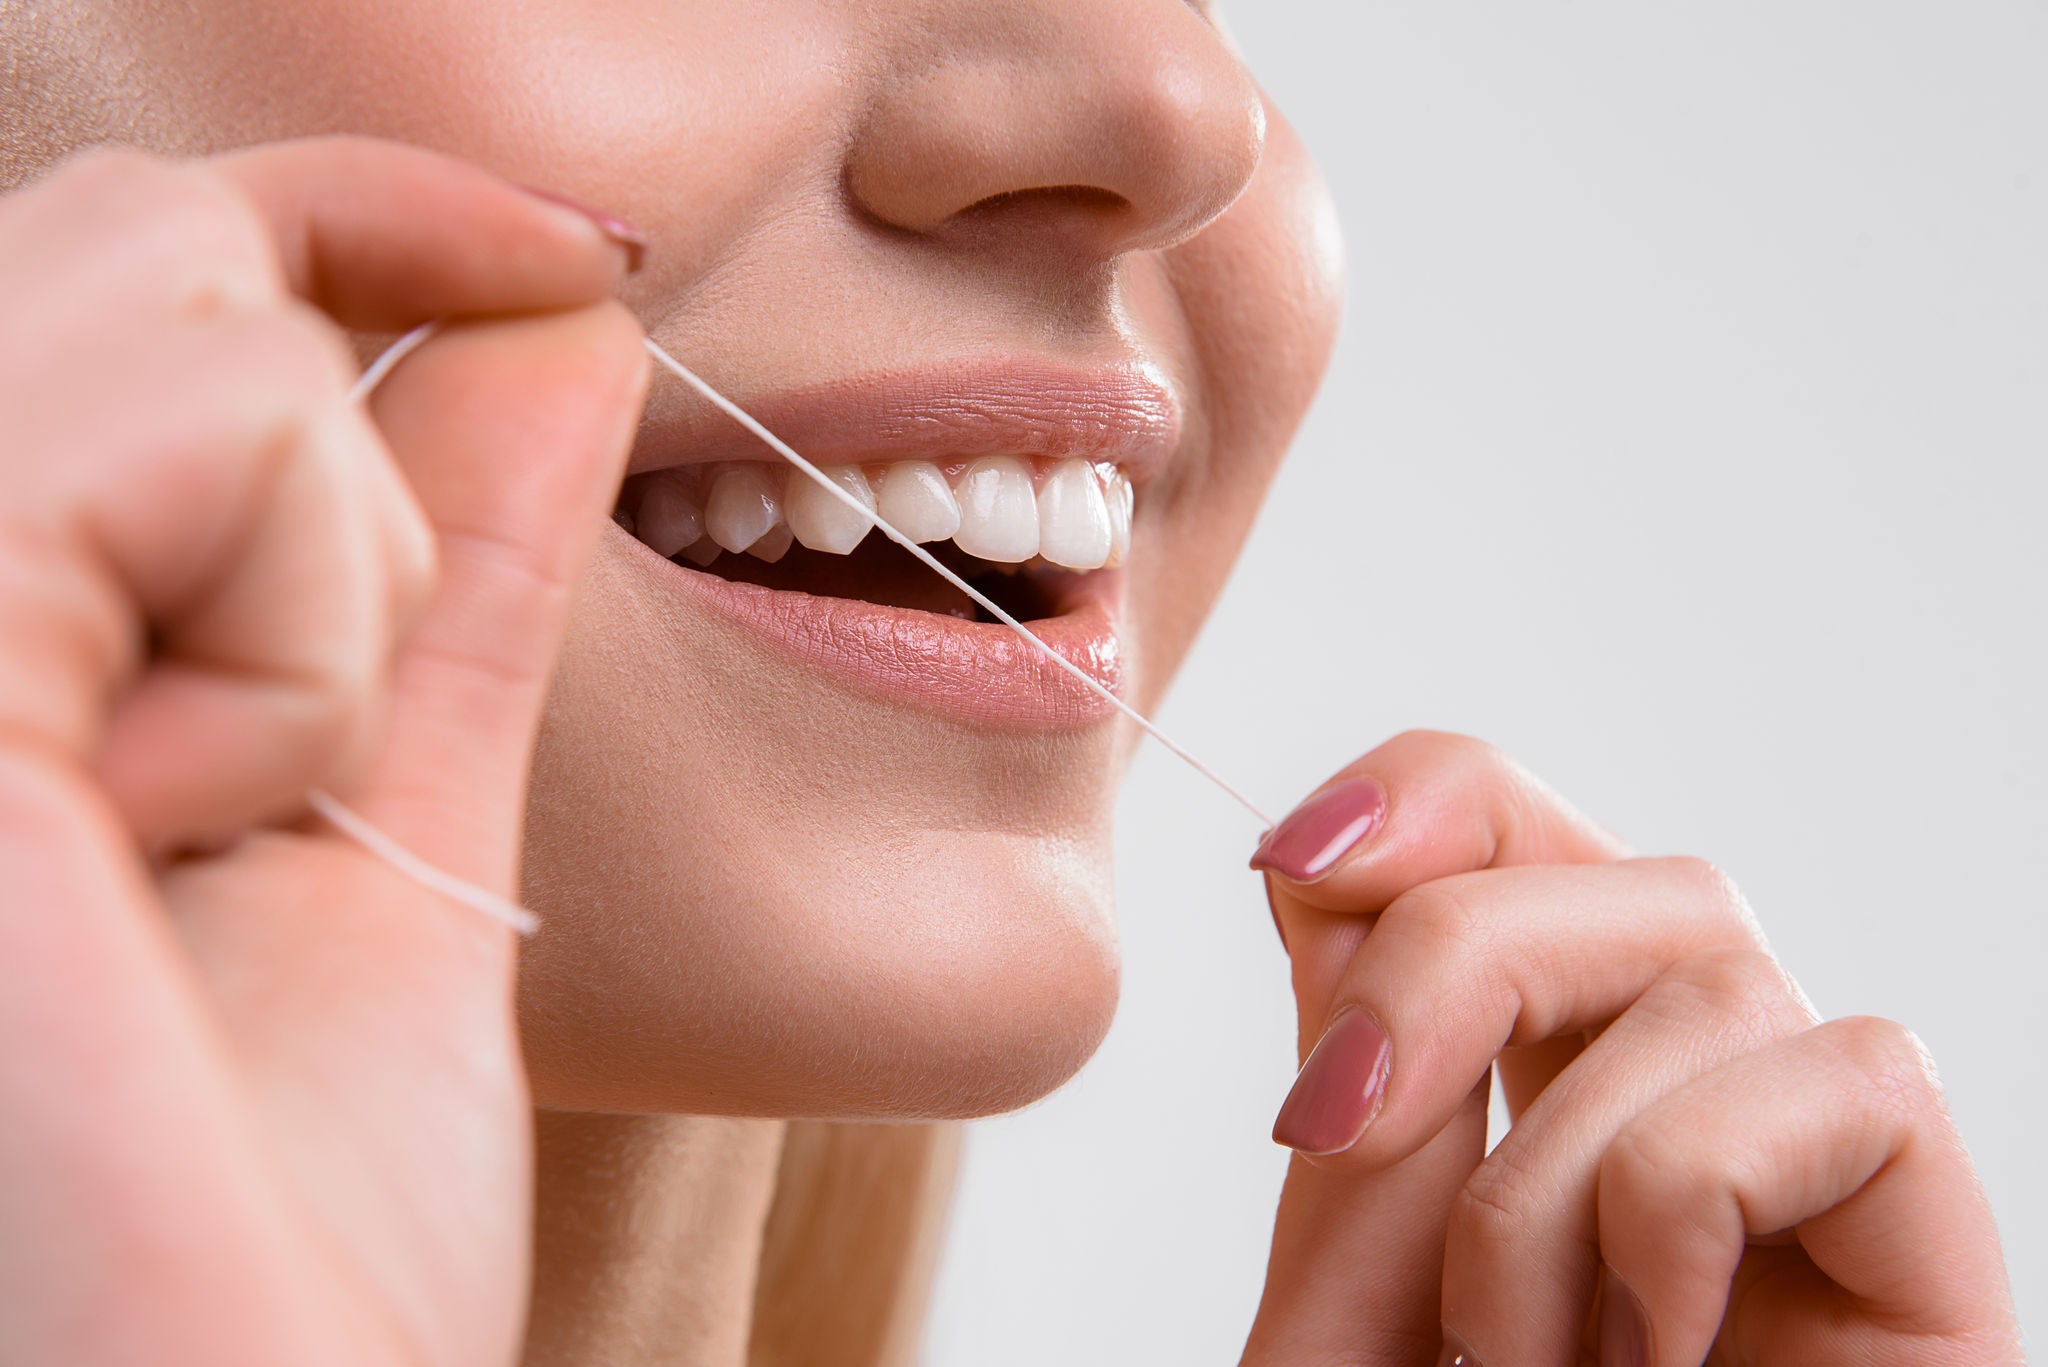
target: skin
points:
(709, 965)
(910, 272)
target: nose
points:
(1114, 127)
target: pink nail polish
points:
(624, 235)
(1456, 1354)
(1339, 1089)
(1309, 841)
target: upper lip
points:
(1125, 414)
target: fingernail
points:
(1624, 1326)
(624, 235)
(1456, 1354)
(1310, 840)
(1338, 1090)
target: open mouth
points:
(1026, 531)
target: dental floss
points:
(388, 362)
(932, 562)
(349, 823)
(519, 918)
(418, 869)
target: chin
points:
(939, 975)
(771, 889)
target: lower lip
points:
(973, 671)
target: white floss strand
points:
(419, 870)
(388, 362)
(525, 922)
(332, 810)
(932, 562)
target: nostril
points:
(1047, 211)
(1084, 197)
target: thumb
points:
(1356, 1270)
(512, 434)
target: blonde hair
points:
(851, 1243)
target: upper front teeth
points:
(1006, 509)
(1073, 518)
(744, 507)
(998, 515)
(667, 519)
(917, 501)
(821, 521)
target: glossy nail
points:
(1624, 1325)
(1338, 1090)
(624, 235)
(1456, 1354)
(1310, 840)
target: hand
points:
(1698, 1170)
(264, 1105)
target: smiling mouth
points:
(1025, 531)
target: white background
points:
(1687, 439)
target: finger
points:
(1457, 970)
(383, 236)
(138, 1215)
(223, 507)
(261, 670)
(1423, 806)
(1842, 1134)
(114, 239)
(513, 434)
(1353, 1276)
(1521, 1261)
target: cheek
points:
(696, 107)
(1261, 291)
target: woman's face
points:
(837, 851)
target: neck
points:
(648, 1236)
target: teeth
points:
(743, 507)
(1073, 519)
(821, 521)
(773, 543)
(1077, 517)
(917, 501)
(1118, 497)
(668, 519)
(998, 512)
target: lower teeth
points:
(881, 572)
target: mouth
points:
(1042, 533)
(1020, 530)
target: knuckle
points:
(1436, 913)
(1493, 1212)
(308, 349)
(1648, 1157)
(318, 710)
(109, 169)
(1744, 987)
(213, 245)
(1709, 884)
(286, 373)
(1888, 1058)
(1453, 749)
